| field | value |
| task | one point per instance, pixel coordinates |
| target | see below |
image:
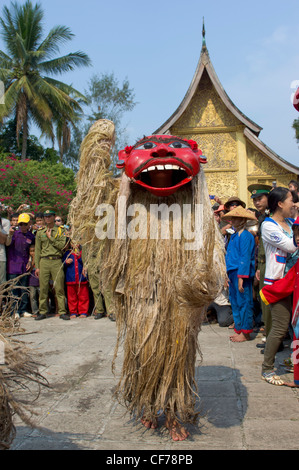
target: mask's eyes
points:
(146, 146)
(179, 145)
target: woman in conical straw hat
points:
(240, 266)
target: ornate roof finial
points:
(203, 34)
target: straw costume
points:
(161, 283)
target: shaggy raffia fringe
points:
(19, 370)
(161, 289)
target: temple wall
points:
(232, 161)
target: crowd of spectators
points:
(45, 268)
(261, 248)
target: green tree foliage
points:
(35, 150)
(35, 183)
(107, 99)
(296, 127)
(27, 69)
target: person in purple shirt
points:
(18, 243)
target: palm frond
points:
(58, 35)
(4, 58)
(68, 89)
(30, 24)
(65, 63)
(8, 31)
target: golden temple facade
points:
(236, 157)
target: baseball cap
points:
(25, 218)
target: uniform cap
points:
(259, 189)
(49, 212)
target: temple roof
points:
(205, 63)
(251, 131)
(267, 151)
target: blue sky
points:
(254, 48)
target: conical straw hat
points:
(240, 212)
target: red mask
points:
(161, 163)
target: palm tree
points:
(63, 127)
(30, 93)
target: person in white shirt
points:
(277, 235)
(4, 231)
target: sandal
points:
(272, 378)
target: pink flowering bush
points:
(35, 183)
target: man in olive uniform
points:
(259, 196)
(103, 300)
(49, 244)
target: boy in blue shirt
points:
(240, 266)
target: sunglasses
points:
(22, 223)
(57, 220)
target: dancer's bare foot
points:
(149, 424)
(291, 384)
(176, 431)
(240, 338)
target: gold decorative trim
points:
(221, 170)
(271, 176)
(205, 130)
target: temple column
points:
(242, 163)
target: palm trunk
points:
(25, 135)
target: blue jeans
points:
(20, 292)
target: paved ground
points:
(239, 411)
